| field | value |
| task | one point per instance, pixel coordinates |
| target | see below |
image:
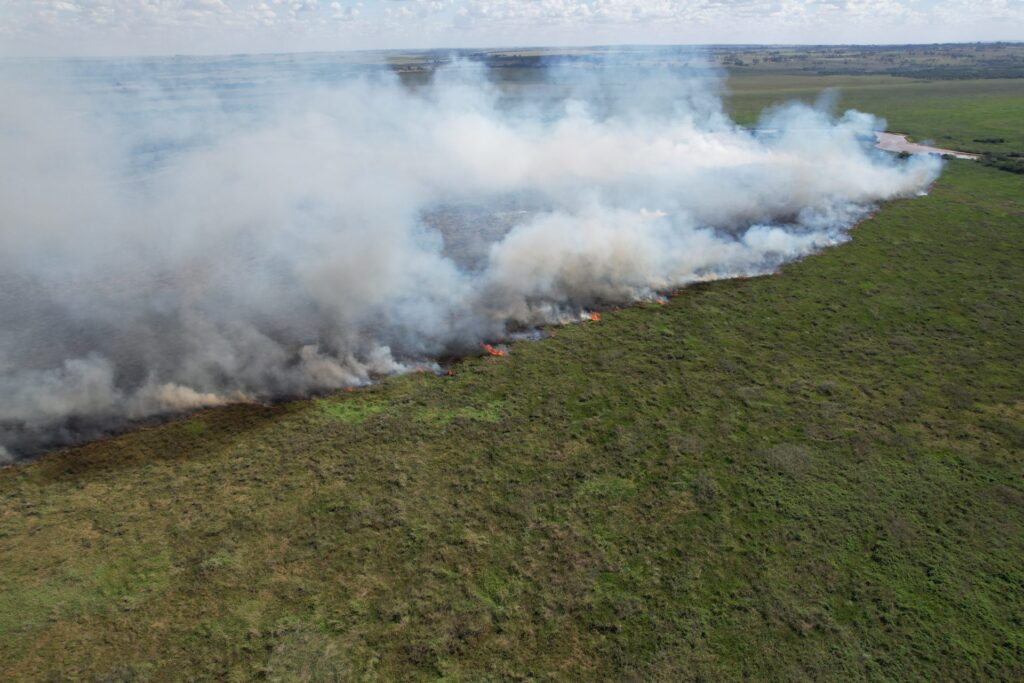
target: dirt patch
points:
(895, 142)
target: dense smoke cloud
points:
(178, 251)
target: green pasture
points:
(815, 475)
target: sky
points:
(156, 27)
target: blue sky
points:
(48, 27)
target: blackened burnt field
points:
(815, 474)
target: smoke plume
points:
(183, 234)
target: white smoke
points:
(363, 228)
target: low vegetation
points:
(947, 62)
(815, 474)
(951, 61)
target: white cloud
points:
(132, 26)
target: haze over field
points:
(170, 241)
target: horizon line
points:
(500, 48)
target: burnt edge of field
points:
(223, 423)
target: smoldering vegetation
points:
(178, 234)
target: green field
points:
(982, 116)
(812, 475)
(938, 61)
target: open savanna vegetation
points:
(947, 61)
(981, 115)
(937, 61)
(810, 475)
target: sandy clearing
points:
(896, 142)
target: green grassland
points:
(942, 61)
(947, 61)
(812, 475)
(982, 115)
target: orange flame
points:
(595, 316)
(493, 351)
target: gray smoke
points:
(184, 254)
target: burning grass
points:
(810, 476)
(797, 476)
